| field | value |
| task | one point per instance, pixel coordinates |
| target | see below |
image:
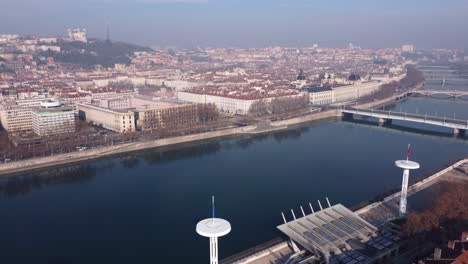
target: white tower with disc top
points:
(406, 165)
(213, 228)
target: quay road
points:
(459, 126)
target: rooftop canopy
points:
(335, 230)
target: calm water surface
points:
(143, 208)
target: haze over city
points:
(192, 23)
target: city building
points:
(17, 115)
(456, 252)
(407, 48)
(77, 34)
(225, 104)
(131, 113)
(51, 118)
(121, 121)
(235, 102)
(324, 95)
(179, 114)
(319, 95)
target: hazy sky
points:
(248, 23)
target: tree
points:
(450, 204)
(121, 85)
(259, 108)
(207, 112)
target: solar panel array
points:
(389, 236)
(328, 230)
(351, 257)
(380, 243)
(314, 238)
(350, 223)
(324, 234)
(333, 230)
(342, 227)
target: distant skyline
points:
(247, 23)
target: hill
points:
(94, 52)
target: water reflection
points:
(290, 134)
(407, 129)
(167, 154)
(76, 174)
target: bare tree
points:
(450, 203)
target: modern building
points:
(338, 235)
(17, 115)
(51, 118)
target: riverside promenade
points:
(376, 211)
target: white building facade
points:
(225, 104)
(53, 121)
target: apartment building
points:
(17, 115)
(167, 117)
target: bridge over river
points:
(459, 126)
(451, 93)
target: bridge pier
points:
(459, 132)
(348, 116)
(385, 121)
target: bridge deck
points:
(438, 121)
(431, 92)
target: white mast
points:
(406, 165)
(213, 228)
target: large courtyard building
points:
(234, 102)
(121, 121)
(128, 114)
(51, 118)
(225, 104)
